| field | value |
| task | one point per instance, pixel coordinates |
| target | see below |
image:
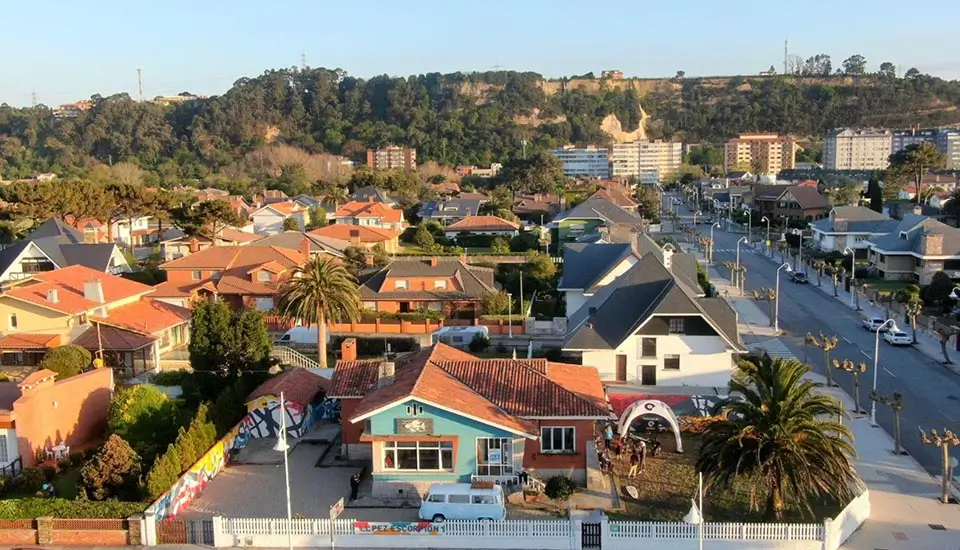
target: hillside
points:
(457, 118)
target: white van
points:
(463, 501)
(301, 336)
(459, 337)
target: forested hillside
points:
(451, 119)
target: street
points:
(931, 391)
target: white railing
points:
(531, 482)
(292, 357)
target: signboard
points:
(336, 509)
(494, 456)
(414, 425)
(397, 528)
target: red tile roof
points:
(616, 197)
(146, 316)
(286, 207)
(28, 341)
(357, 209)
(235, 264)
(503, 392)
(112, 338)
(483, 223)
(366, 234)
(69, 284)
(299, 386)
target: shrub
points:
(4, 377)
(30, 480)
(90, 452)
(500, 245)
(76, 458)
(145, 418)
(479, 343)
(49, 472)
(114, 471)
(66, 361)
(170, 377)
(560, 488)
(423, 238)
(164, 473)
(64, 464)
(32, 508)
(495, 303)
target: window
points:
(216, 275)
(671, 362)
(557, 439)
(12, 322)
(440, 284)
(372, 306)
(264, 304)
(400, 285)
(484, 499)
(197, 275)
(436, 498)
(264, 276)
(648, 347)
(676, 325)
(418, 455)
(4, 456)
(494, 456)
(414, 410)
(458, 499)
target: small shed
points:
(302, 391)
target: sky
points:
(63, 53)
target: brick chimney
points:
(434, 261)
(354, 237)
(931, 244)
(194, 245)
(348, 349)
(840, 224)
(305, 247)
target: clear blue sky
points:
(65, 52)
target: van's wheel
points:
(486, 520)
(438, 518)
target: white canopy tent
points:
(654, 407)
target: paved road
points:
(931, 391)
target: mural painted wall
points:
(193, 481)
(263, 417)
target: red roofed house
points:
(370, 214)
(303, 393)
(618, 197)
(482, 225)
(97, 311)
(409, 284)
(361, 235)
(442, 415)
(244, 276)
(268, 220)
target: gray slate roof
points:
(585, 264)
(475, 281)
(63, 245)
(599, 209)
(646, 289)
(453, 208)
(859, 220)
(364, 194)
(915, 227)
(293, 239)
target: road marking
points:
(847, 340)
(867, 354)
(888, 372)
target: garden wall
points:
(840, 528)
(71, 532)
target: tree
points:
(164, 473)
(827, 344)
(423, 238)
(66, 361)
(317, 217)
(914, 162)
(290, 224)
(768, 295)
(560, 488)
(875, 194)
(380, 256)
(113, 472)
(855, 370)
(911, 74)
(541, 173)
(939, 290)
(888, 70)
(541, 266)
(318, 292)
(336, 195)
(206, 218)
(143, 416)
(495, 303)
(818, 65)
(895, 402)
(356, 258)
(855, 65)
(783, 435)
(500, 245)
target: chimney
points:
(840, 224)
(370, 198)
(385, 374)
(434, 261)
(931, 244)
(194, 245)
(667, 257)
(355, 237)
(305, 247)
(93, 291)
(53, 296)
(348, 349)
(917, 209)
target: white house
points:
(850, 226)
(587, 267)
(53, 245)
(649, 327)
(133, 231)
(482, 225)
(268, 220)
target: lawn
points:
(884, 286)
(67, 483)
(670, 481)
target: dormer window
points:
(264, 276)
(903, 235)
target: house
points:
(134, 231)
(370, 214)
(268, 219)
(587, 267)
(94, 310)
(446, 188)
(850, 226)
(53, 245)
(237, 203)
(368, 193)
(40, 412)
(178, 244)
(244, 276)
(437, 284)
(360, 235)
(450, 211)
(317, 245)
(536, 207)
(443, 415)
(618, 197)
(588, 217)
(915, 249)
(650, 326)
(302, 392)
(270, 196)
(791, 201)
(482, 225)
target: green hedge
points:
(419, 315)
(32, 508)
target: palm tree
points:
(336, 195)
(318, 291)
(782, 433)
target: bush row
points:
(32, 508)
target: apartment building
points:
(624, 159)
(857, 149)
(947, 141)
(771, 153)
(663, 157)
(583, 162)
(392, 158)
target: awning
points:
(113, 339)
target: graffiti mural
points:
(263, 418)
(397, 528)
(193, 481)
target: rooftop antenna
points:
(140, 83)
(303, 61)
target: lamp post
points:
(853, 276)
(776, 298)
(282, 447)
(876, 361)
(695, 515)
(749, 224)
(742, 239)
(510, 314)
(767, 243)
(695, 214)
(712, 226)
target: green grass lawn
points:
(885, 286)
(67, 483)
(670, 481)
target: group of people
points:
(610, 448)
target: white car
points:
(873, 323)
(897, 338)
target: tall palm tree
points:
(781, 433)
(318, 291)
(336, 195)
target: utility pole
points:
(303, 61)
(33, 97)
(785, 57)
(140, 83)
(523, 143)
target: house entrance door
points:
(621, 368)
(648, 375)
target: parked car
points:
(302, 336)
(463, 501)
(460, 337)
(799, 278)
(874, 323)
(897, 338)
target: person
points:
(642, 457)
(618, 449)
(605, 464)
(354, 485)
(634, 463)
(608, 435)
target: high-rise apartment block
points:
(392, 158)
(622, 160)
(583, 162)
(664, 157)
(946, 140)
(857, 149)
(766, 153)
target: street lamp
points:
(282, 447)
(876, 361)
(749, 224)
(766, 219)
(695, 515)
(510, 314)
(742, 239)
(853, 275)
(713, 225)
(776, 298)
(695, 214)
